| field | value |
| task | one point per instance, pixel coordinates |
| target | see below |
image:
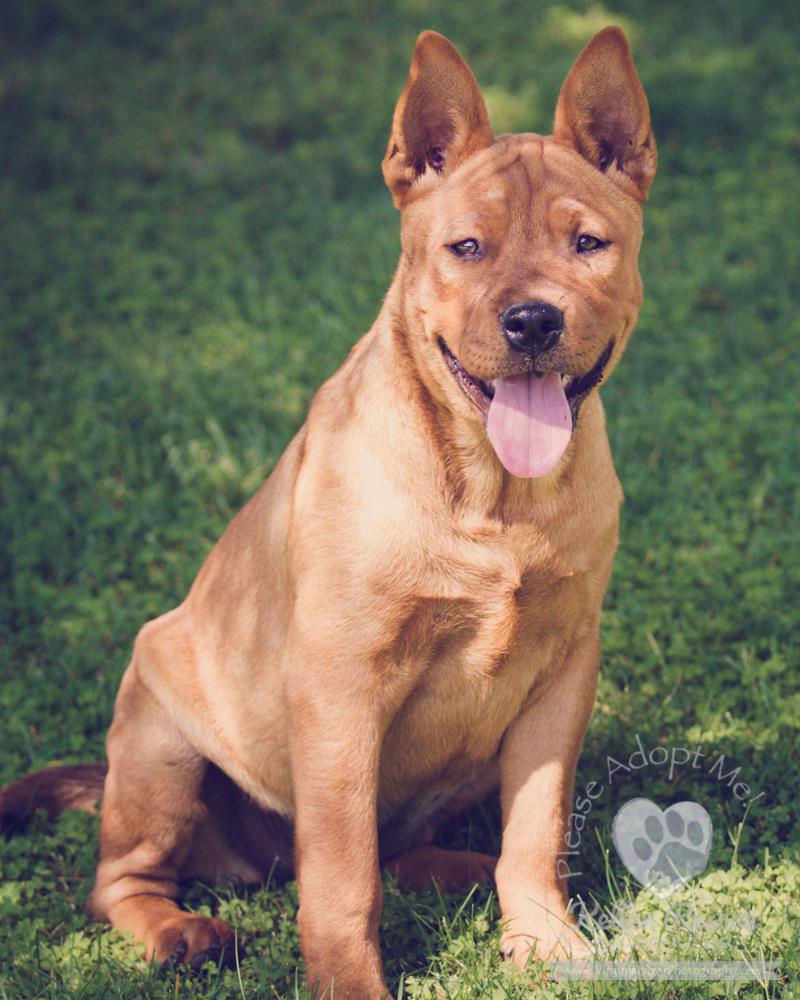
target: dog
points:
(406, 615)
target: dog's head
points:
(520, 252)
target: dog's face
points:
(520, 253)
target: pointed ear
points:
(602, 113)
(439, 120)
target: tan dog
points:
(406, 614)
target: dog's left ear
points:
(602, 113)
(439, 121)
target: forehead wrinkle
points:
(461, 226)
(466, 220)
(495, 161)
(599, 190)
(491, 173)
(521, 200)
(578, 210)
(522, 172)
(535, 165)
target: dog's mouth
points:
(529, 417)
(481, 393)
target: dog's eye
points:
(588, 243)
(466, 248)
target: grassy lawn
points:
(193, 232)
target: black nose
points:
(532, 327)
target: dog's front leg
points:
(335, 753)
(538, 760)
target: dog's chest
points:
(475, 645)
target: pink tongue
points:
(529, 423)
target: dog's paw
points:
(192, 940)
(347, 986)
(662, 849)
(540, 939)
(452, 871)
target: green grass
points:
(193, 231)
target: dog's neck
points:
(468, 474)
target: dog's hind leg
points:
(411, 856)
(419, 867)
(237, 841)
(152, 807)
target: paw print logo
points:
(662, 849)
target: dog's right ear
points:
(439, 120)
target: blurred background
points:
(194, 231)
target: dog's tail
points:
(54, 789)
